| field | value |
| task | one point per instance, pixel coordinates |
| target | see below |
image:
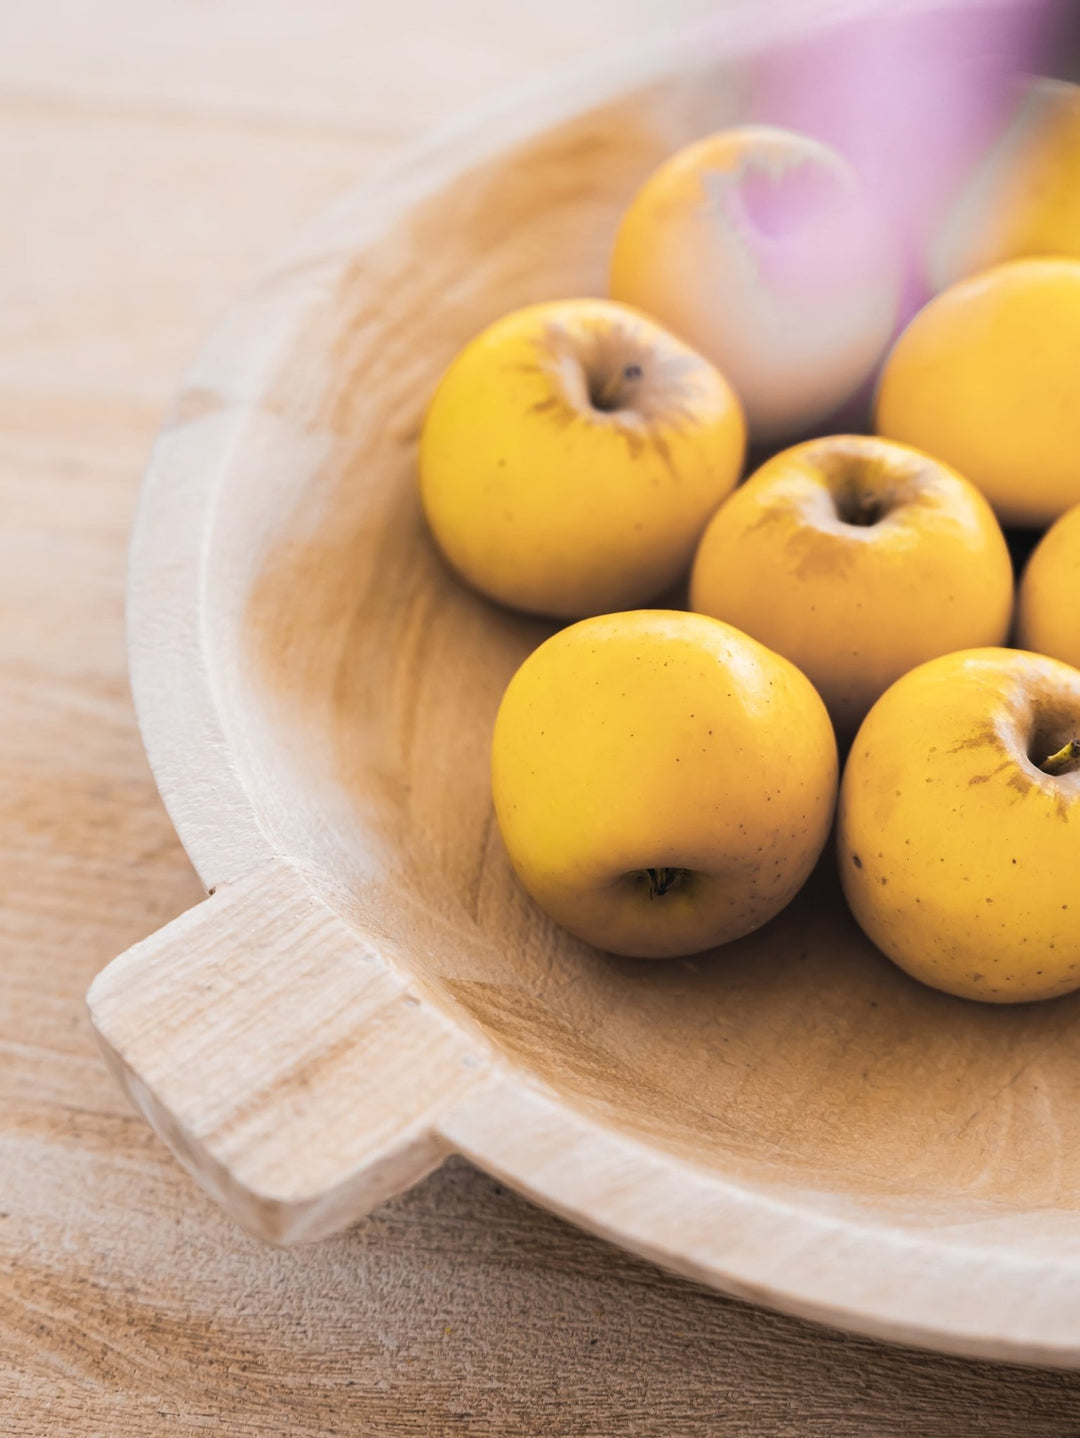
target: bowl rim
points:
(932, 1287)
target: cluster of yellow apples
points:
(666, 778)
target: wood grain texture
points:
(326, 1079)
(128, 1305)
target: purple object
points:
(912, 98)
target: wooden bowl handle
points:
(285, 1062)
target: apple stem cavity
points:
(859, 508)
(1064, 761)
(661, 880)
(611, 392)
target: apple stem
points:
(1063, 762)
(860, 508)
(609, 394)
(868, 510)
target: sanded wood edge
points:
(289, 1066)
(944, 1289)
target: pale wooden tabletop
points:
(152, 160)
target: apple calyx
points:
(661, 880)
(611, 392)
(1064, 761)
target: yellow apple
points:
(1048, 614)
(985, 378)
(959, 825)
(572, 455)
(856, 559)
(1024, 199)
(662, 782)
(760, 248)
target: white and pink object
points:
(762, 249)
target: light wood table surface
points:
(153, 158)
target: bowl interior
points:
(358, 683)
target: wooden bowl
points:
(368, 989)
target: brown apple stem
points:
(859, 508)
(610, 393)
(869, 510)
(1064, 761)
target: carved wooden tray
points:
(367, 988)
